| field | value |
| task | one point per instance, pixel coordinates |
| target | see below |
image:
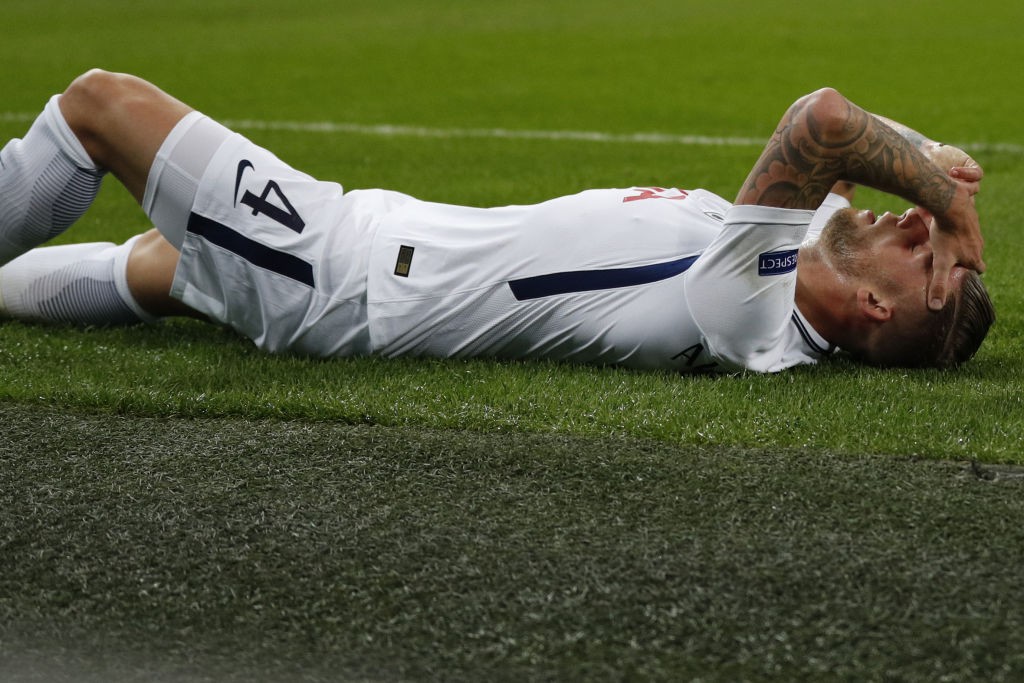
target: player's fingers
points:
(970, 174)
(973, 250)
(937, 287)
(969, 257)
(972, 188)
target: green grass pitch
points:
(175, 506)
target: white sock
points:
(84, 284)
(47, 181)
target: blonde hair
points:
(941, 339)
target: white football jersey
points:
(640, 277)
(644, 277)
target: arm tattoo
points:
(801, 162)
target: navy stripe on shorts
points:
(252, 251)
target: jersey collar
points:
(817, 344)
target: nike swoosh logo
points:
(242, 166)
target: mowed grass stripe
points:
(228, 549)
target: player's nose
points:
(914, 222)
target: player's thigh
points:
(150, 274)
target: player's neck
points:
(824, 299)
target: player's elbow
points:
(827, 115)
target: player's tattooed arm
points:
(824, 138)
(949, 158)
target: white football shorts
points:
(266, 250)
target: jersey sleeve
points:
(741, 290)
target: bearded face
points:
(845, 242)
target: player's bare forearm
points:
(922, 142)
(824, 138)
(949, 158)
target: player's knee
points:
(91, 103)
(90, 95)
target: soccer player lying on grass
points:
(640, 277)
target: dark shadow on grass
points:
(153, 549)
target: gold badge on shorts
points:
(404, 261)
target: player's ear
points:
(872, 305)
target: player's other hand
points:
(949, 157)
(956, 240)
(969, 175)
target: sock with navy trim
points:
(47, 181)
(82, 284)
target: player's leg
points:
(46, 181)
(102, 122)
(96, 283)
(121, 121)
(254, 275)
(149, 274)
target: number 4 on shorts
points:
(287, 216)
